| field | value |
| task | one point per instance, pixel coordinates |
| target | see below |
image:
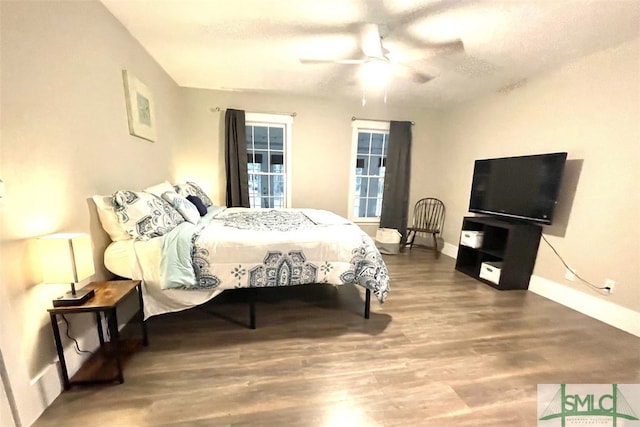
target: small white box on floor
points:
(471, 238)
(491, 271)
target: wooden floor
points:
(444, 350)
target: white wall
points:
(321, 143)
(64, 138)
(591, 109)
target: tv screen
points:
(524, 187)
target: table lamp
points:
(67, 258)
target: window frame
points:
(358, 126)
(263, 119)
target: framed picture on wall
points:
(140, 108)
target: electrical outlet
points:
(611, 284)
(570, 275)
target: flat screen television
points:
(523, 188)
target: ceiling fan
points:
(374, 52)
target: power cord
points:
(603, 288)
(106, 321)
(75, 341)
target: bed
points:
(191, 262)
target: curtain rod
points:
(218, 109)
(354, 118)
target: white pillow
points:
(159, 189)
(108, 218)
(182, 205)
(193, 189)
(144, 215)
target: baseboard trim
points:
(47, 384)
(450, 250)
(605, 311)
(47, 387)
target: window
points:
(369, 155)
(268, 155)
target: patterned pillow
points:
(144, 215)
(182, 205)
(193, 189)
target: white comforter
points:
(241, 247)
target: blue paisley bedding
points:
(250, 248)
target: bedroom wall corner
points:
(425, 178)
(199, 156)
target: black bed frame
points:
(252, 306)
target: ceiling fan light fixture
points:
(375, 74)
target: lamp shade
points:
(66, 257)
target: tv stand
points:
(514, 244)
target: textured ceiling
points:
(255, 45)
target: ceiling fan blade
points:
(427, 50)
(420, 78)
(348, 61)
(445, 47)
(370, 41)
(454, 45)
(415, 76)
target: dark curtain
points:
(235, 145)
(395, 196)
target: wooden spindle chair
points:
(428, 218)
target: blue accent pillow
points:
(202, 209)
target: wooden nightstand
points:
(105, 365)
